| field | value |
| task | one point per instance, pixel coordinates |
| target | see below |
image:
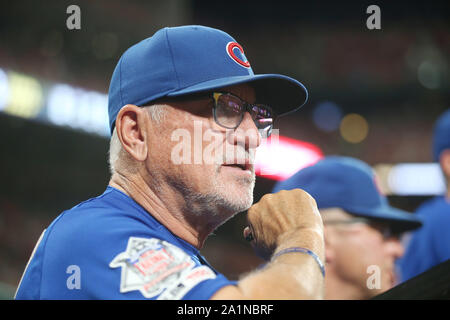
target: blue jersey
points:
(429, 245)
(109, 247)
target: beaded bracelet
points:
(302, 250)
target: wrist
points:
(301, 250)
(309, 238)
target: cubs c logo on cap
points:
(231, 46)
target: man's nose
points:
(395, 247)
(246, 134)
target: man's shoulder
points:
(434, 206)
(111, 198)
(110, 208)
(101, 222)
(435, 214)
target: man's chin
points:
(235, 190)
(242, 194)
(237, 198)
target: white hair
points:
(116, 151)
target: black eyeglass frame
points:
(247, 107)
(211, 95)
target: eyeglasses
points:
(386, 231)
(229, 110)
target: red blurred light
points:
(280, 157)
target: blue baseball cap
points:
(190, 59)
(441, 135)
(349, 184)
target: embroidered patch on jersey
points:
(151, 266)
(190, 280)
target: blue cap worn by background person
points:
(349, 184)
(441, 135)
(190, 59)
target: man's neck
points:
(167, 210)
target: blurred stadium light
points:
(411, 179)
(58, 104)
(21, 95)
(280, 157)
(354, 128)
(327, 116)
(78, 108)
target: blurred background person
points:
(430, 245)
(361, 229)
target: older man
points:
(186, 114)
(361, 229)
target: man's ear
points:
(131, 125)
(444, 160)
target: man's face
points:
(210, 167)
(361, 256)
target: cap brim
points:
(400, 220)
(284, 94)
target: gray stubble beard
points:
(215, 205)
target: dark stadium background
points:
(45, 169)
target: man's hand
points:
(283, 219)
